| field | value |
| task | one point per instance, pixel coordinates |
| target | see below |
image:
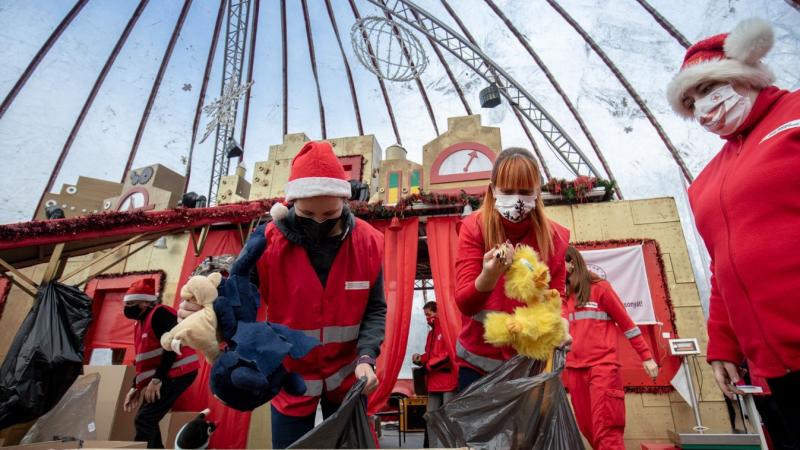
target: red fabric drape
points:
(442, 245)
(399, 270)
(233, 425)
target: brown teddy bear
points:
(198, 331)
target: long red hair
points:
(515, 169)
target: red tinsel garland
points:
(664, 287)
(162, 277)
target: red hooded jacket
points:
(439, 359)
(593, 327)
(471, 349)
(746, 204)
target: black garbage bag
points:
(514, 407)
(348, 427)
(46, 355)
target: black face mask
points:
(133, 312)
(316, 231)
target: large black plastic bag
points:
(47, 354)
(514, 407)
(348, 427)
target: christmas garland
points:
(162, 277)
(577, 190)
(420, 204)
(663, 286)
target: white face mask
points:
(723, 110)
(515, 208)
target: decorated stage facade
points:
(417, 206)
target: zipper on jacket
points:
(740, 144)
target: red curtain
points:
(401, 238)
(233, 425)
(442, 246)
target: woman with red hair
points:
(512, 212)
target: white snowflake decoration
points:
(222, 111)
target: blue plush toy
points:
(250, 373)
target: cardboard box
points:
(172, 423)
(113, 424)
(75, 445)
(114, 444)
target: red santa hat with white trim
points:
(316, 172)
(141, 290)
(734, 56)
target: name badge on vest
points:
(356, 285)
(590, 305)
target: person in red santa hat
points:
(321, 273)
(746, 204)
(161, 376)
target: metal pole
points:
(156, 84)
(212, 49)
(251, 61)
(313, 58)
(346, 68)
(39, 56)
(98, 83)
(695, 406)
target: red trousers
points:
(599, 404)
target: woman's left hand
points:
(567, 342)
(651, 368)
(365, 371)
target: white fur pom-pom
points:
(750, 41)
(278, 211)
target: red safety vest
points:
(296, 298)
(149, 351)
(471, 349)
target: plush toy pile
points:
(536, 328)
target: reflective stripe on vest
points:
(484, 363)
(583, 315)
(148, 355)
(333, 382)
(633, 332)
(481, 316)
(181, 362)
(313, 388)
(335, 334)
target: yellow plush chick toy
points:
(536, 329)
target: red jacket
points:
(439, 360)
(746, 204)
(471, 349)
(295, 297)
(593, 328)
(148, 352)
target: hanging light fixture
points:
(233, 149)
(490, 96)
(467, 210)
